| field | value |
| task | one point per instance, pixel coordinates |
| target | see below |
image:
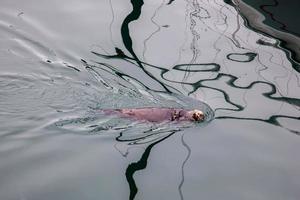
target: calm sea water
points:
(63, 61)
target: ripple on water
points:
(128, 93)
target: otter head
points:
(196, 115)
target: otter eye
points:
(196, 117)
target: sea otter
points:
(159, 114)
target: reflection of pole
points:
(182, 167)
(140, 165)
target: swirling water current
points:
(62, 62)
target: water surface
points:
(62, 62)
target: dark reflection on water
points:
(278, 14)
(55, 84)
(271, 17)
(140, 165)
(134, 15)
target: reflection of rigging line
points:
(281, 76)
(234, 39)
(224, 17)
(185, 36)
(267, 81)
(127, 149)
(140, 165)
(278, 88)
(111, 23)
(140, 142)
(288, 71)
(244, 99)
(99, 46)
(182, 166)
(234, 34)
(248, 42)
(287, 84)
(193, 45)
(137, 139)
(153, 33)
(224, 35)
(237, 30)
(224, 6)
(132, 16)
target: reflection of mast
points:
(182, 166)
(140, 165)
(134, 15)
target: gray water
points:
(63, 61)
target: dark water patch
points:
(288, 41)
(279, 14)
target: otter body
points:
(158, 114)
